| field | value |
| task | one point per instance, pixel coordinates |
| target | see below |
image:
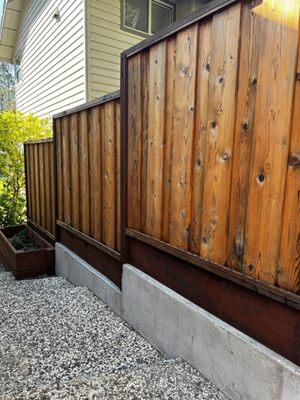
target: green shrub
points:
(15, 129)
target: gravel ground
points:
(61, 342)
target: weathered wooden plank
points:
(46, 157)
(41, 164)
(32, 180)
(74, 165)
(52, 190)
(118, 174)
(169, 136)
(108, 176)
(28, 181)
(251, 42)
(66, 173)
(288, 276)
(203, 73)
(134, 142)
(95, 173)
(84, 174)
(219, 144)
(184, 126)
(145, 65)
(272, 123)
(37, 184)
(59, 193)
(156, 139)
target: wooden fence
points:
(87, 144)
(194, 177)
(210, 109)
(40, 186)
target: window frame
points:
(137, 32)
(18, 61)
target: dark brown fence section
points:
(40, 186)
(211, 163)
(87, 143)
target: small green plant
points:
(21, 241)
(15, 129)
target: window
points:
(147, 16)
(18, 70)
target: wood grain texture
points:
(109, 175)
(156, 138)
(271, 136)
(40, 185)
(118, 174)
(288, 276)
(134, 141)
(251, 42)
(95, 173)
(221, 122)
(201, 130)
(74, 170)
(84, 193)
(169, 138)
(184, 125)
(37, 184)
(59, 179)
(66, 173)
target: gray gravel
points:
(61, 342)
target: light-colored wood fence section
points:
(210, 112)
(40, 185)
(88, 170)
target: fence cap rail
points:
(96, 102)
(197, 16)
(45, 140)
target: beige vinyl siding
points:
(53, 57)
(106, 41)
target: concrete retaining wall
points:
(241, 367)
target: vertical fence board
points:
(272, 122)
(184, 123)
(84, 174)
(66, 171)
(37, 185)
(32, 198)
(221, 120)
(169, 133)
(52, 190)
(74, 170)
(251, 41)
(134, 141)
(109, 175)
(28, 180)
(118, 174)
(59, 193)
(289, 263)
(95, 173)
(156, 137)
(47, 177)
(40, 185)
(203, 72)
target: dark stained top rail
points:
(89, 104)
(197, 16)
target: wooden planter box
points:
(26, 264)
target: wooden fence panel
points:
(39, 171)
(88, 171)
(209, 126)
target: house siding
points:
(106, 41)
(53, 57)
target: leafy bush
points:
(15, 129)
(21, 241)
